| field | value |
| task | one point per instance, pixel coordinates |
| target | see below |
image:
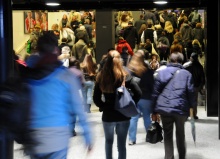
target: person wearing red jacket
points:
(123, 43)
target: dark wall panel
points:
(104, 32)
(212, 61)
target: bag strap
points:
(170, 79)
(123, 82)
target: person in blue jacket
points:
(56, 99)
(173, 98)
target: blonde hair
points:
(168, 27)
(77, 15)
(196, 41)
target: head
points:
(141, 16)
(73, 62)
(137, 64)
(194, 57)
(80, 34)
(55, 26)
(145, 53)
(142, 28)
(198, 25)
(176, 47)
(37, 28)
(89, 65)
(47, 44)
(87, 21)
(112, 73)
(130, 23)
(64, 16)
(176, 57)
(154, 57)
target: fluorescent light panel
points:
(160, 2)
(53, 4)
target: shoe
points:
(131, 142)
(196, 117)
(74, 133)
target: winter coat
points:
(131, 36)
(173, 91)
(56, 99)
(187, 32)
(123, 43)
(80, 50)
(197, 71)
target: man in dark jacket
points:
(198, 75)
(131, 35)
(173, 98)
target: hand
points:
(154, 117)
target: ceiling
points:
(104, 4)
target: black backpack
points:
(15, 109)
(154, 133)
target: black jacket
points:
(197, 71)
(108, 106)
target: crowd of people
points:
(164, 82)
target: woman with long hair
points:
(108, 80)
(89, 69)
(139, 69)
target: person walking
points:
(55, 100)
(138, 68)
(173, 98)
(108, 80)
(89, 69)
(198, 75)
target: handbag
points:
(154, 133)
(124, 102)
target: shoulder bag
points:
(124, 102)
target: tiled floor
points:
(207, 141)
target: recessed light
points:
(160, 2)
(52, 4)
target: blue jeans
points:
(145, 107)
(87, 91)
(62, 154)
(121, 129)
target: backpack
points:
(154, 133)
(15, 109)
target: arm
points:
(97, 97)
(135, 89)
(130, 51)
(76, 106)
(155, 36)
(142, 37)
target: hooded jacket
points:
(123, 43)
(55, 100)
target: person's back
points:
(51, 112)
(198, 76)
(131, 35)
(80, 49)
(173, 98)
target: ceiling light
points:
(52, 4)
(160, 2)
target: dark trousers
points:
(168, 123)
